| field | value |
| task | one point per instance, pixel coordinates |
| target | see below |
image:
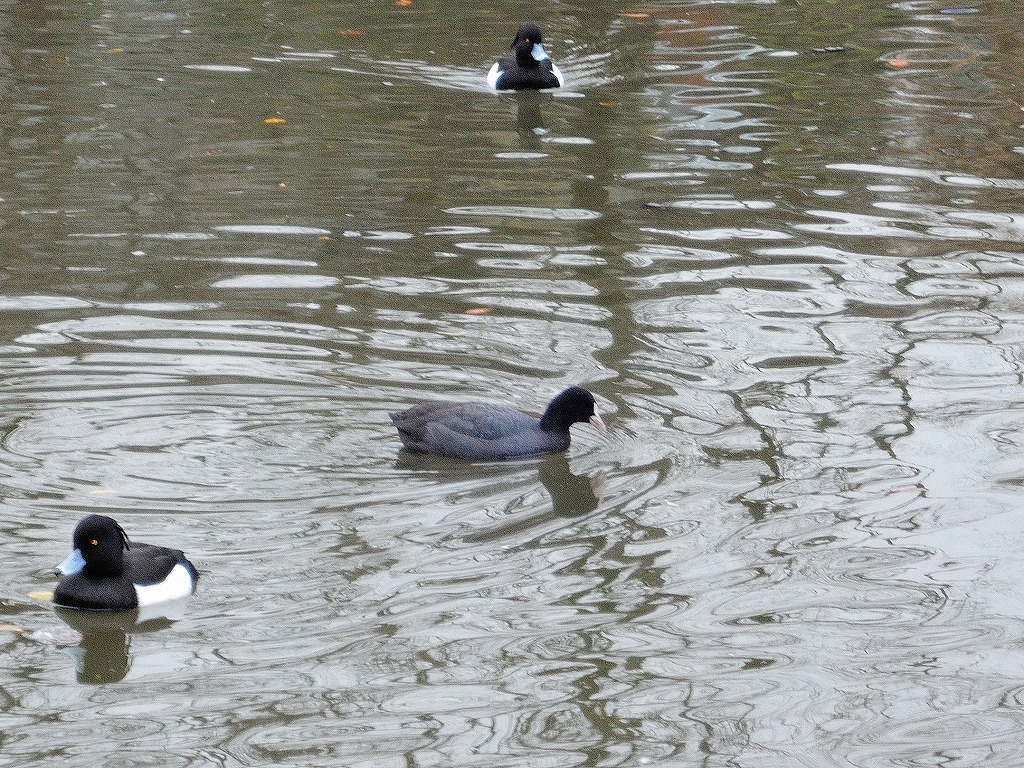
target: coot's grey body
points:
(476, 430)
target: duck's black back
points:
(150, 564)
(531, 76)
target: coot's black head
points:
(573, 405)
(529, 45)
(101, 542)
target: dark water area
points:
(780, 242)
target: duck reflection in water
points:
(529, 117)
(104, 653)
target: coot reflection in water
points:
(571, 495)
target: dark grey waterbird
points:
(476, 430)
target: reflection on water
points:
(102, 656)
(236, 238)
(571, 496)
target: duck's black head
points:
(101, 542)
(529, 45)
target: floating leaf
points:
(403, 2)
(479, 310)
(633, 15)
(898, 63)
(42, 595)
(274, 120)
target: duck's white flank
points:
(177, 584)
(558, 74)
(494, 75)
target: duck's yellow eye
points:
(94, 542)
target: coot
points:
(474, 430)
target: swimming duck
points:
(473, 430)
(107, 572)
(529, 67)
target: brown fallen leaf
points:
(479, 310)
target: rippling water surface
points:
(780, 242)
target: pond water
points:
(780, 242)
